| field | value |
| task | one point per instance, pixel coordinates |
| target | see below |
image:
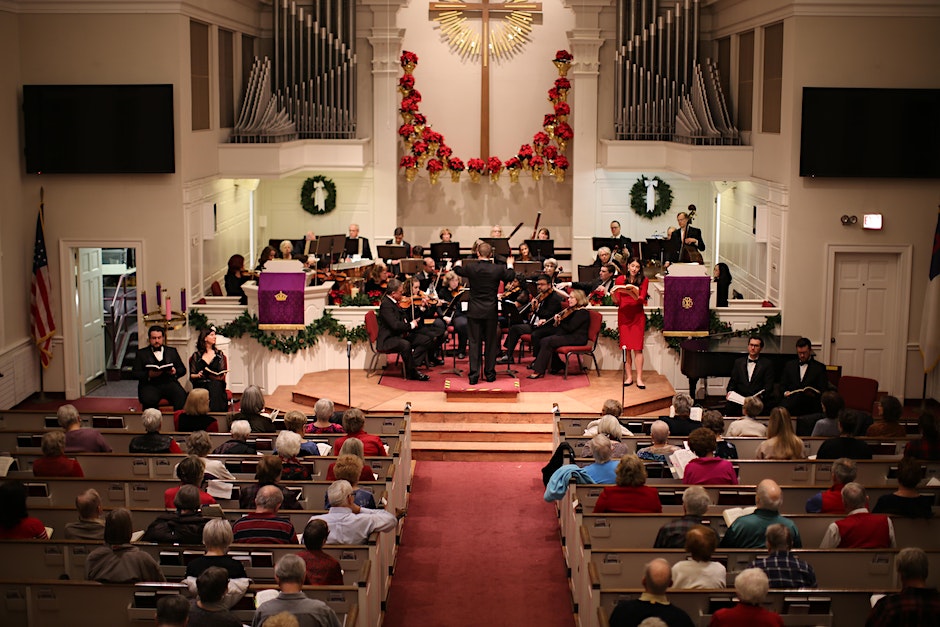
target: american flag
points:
(42, 323)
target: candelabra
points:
(164, 315)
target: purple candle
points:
(183, 300)
(159, 296)
(143, 301)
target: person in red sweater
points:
(844, 470)
(631, 495)
(53, 462)
(751, 587)
(859, 529)
(707, 469)
(190, 471)
(15, 521)
(353, 422)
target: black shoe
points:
(535, 375)
(505, 359)
(474, 380)
(419, 376)
(558, 371)
(530, 367)
(490, 378)
(437, 362)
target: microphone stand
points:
(349, 373)
(623, 376)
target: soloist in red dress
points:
(631, 321)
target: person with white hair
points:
(860, 529)
(751, 586)
(609, 426)
(657, 578)
(290, 572)
(199, 444)
(323, 412)
(217, 537)
(349, 523)
(296, 421)
(681, 423)
(238, 444)
(287, 446)
(695, 503)
(78, 440)
(844, 470)
(604, 469)
(660, 450)
(153, 441)
(250, 408)
(750, 531)
(916, 604)
(748, 425)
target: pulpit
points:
(281, 297)
(686, 295)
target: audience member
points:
(660, 450)
(713, 420)
(323, 412)
(238, 444)
(53, 462)
(217, 536)
(199, 443)
(925, 447)
(630, 495)
(288, 446)
(860, 529)
(349, 468)
(153, 441)
(157, 368)
(264, 526)
(352, 446)
(290, 573)
(78, 440)
(707, 469)
(604, 469)
(184, 526)
(250, 408)
(657, 578)
(15, 521)
(354, 422)
(322, 569)
(906, 500)
(916, 604)
(119, 561)
(750, 531)
(888, 424)
(695, 502)
(748, 426)
(783, 569)
(699, 571)
(90, 525)
(296, 421)
(781, 442)
(827, 426)
(190, 471)
(283, 619)
(751, 587)
(349, 523)
(208, 609)
(845, 445)
(172, 611)
(681, 424)
(844, 471)
(194, 416)
(609, 426)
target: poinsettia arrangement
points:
(408, 161)
(456, 164)
(444, 152)
(494, 164)
(554, 95)
(419, 120)
(407, 82)
(406, 131)
(375, 296)
(409, 104)
(562, 108)
(549, 120)
(549, 152)
(540, 139)
(409, 58)
(525, 152)
(419, 148)
(431, 136)
(564, 131)
(561, 162)
(513, 163)
(476, 165)
(562, 83)
(537, 162)
(562, 56)
(435, 165)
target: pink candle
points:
(169, 311)
(143, 301)
(159, 295)
(183, 300)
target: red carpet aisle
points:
(480, 547)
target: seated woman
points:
(452, 291)
(747, 425)
(699, 571)
(199, 444)
(552, 269)
(322, 569)
(429, 324)
(296, 421)
(571, 330)
(267, 254)
(195, 413)
(207, 369)
(723, 281)
(707, 469)
(353, 422)
(352, 446)
(236, 277)
(349, 468)
(524, 254)
(751, 587)
(681, 423)
(119, 561)
(446, 235)
(781, 442)
(660, 449)
(286, 248)
(268, 473)
(288, 446)
(604, 469)
(713, 420)
(184, 526)
(928, 445)
(602, 258)
(322, 413)
(190, 471)
(607, 425)
(888, 424)
(250, 407)
(217, 537)
(377, 279)
(906, 500)
(15, 521)
(53, 462)
(238, 444)
(631, 495)
(543, 233)
(153, 441)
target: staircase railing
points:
(123, 310)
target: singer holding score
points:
(207, 368)
(630, 292)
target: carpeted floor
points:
(548, 383)
(479, 547)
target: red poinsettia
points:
(408, 161)
(549, 152)
(406, 130)
(553, 94)
(512, 163)
(406, 82)
(476, 165)
(409, 58)
(435, 165)
(562, 108)
(561, 162)
(336, 298)
(420, 120)
(525, 152)
(419, 148)
(444, 152)
(562, 55)
(431, 136)
(455, 164)
(375, 296)
(540, 139)
(564, 131)
(415, 95)
(409, 105)
(494, 164)
(537, 162)
(562, 83)
(549, 119)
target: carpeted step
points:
(480, 432)
(481, 451)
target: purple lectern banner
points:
(685, 304)
(281, 298)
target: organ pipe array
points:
(663, 91)
(311, 83)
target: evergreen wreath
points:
(638, 198)
(307, 192)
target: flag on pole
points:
(930, 323)
(42, 323)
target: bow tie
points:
(752, 361)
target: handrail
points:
(119, 317)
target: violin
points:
(566, 313)
(510, 291)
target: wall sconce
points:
(848, 220)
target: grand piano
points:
(714, 355)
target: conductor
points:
(482, 313)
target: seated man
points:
(264, 526)
(860, 529)
(750, 531)
(539, 313)
(625, 243)
(604, 281)
(845, 445)
(290, 573)
(78, 440)
(158, 369)
(784, 570)
(844, 471)
(395, 332)
(660, 449)
(172, 611)
(90, 525)
(356, 245)
(695, 502)
(322, 569)
(208, 610)
(749, 376)
(751, 587)
(799, 376)
(916, 604)
(657, 578)
(350, 523)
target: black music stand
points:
(411, 266)
(657, 249)
(587, 274)
(391, 251)
(541, 248)
(527, 268)
(500, 245)
(605, 242)
(330, 247)
(442, 251)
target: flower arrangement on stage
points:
(411, 167)
(562, 109)
(563, 61)
(549, 153)
(715, 325)
(563, 135)
(539, 141)
(557, 95)
(420, 122)
(562, 84)
(548, 123)
(409, 61)
(407, 134)
(513, 166)
(476, 168)
(420, 151)
(525, 153)
(406, 83)
(600, 298)
(494, 165)
(537, 164)
(559, 165)
(444, 152)
(408, 108)
(432, 136)
(434, 168)
(456, 166)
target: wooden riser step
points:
(481, 451)
(480, 432)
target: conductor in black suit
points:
(685, 235)
(482, 313)
(159, 383)
(750, 375)
(396, 332)
(801, 373)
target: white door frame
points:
(68, 293)
(904, 253)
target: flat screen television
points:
(870, 133)
(99, 129)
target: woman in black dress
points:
(571, 329)
(235, 278)
(207, 368)
(723, 281)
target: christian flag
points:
(930, 323)
(42, 324)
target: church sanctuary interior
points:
(315, 189)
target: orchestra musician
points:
(624, 243)
(569, 328)
(551, 268)
(356, 245)
(377, 280)
(604, 282)
(524, 254)
(236, 277)
(287, 249)
(496, 231)
(514, 296)
(543, 233)
(207, 368)
(446, 236)
(428, 276)
(602, 258)
(267, 254)
(398, 240)
(631, 319)
(538, 312)
(453, 297)
(685, 235)
(395, 332)
(424, 309)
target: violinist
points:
(267, 254)
(514, 297)
(551, 268)
(419, 306)
(570, 328)
(603, 283)
(428, 276)
(524, 254)
(377, 279)
(539, 311)
(396, 332)
(453, 309)
(237, 276)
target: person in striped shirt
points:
(264, 526)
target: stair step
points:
(481, 451)
(469, 427)
(483, 446)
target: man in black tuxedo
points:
(396, 332)
(605, 279)
(685, 235)
(800, 373)
(482, 314)
(624, 243)
(356, 245)
(544, 306)
(159, 383)
(428, 276)
(750, 375)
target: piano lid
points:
(773, 344)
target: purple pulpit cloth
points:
(281, 298)
(685, 304)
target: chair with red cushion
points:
(858, 392)
(594, 331)
(524, 340)
(216, 289)
(372, 329)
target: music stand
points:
(391, 251)
(541, 248)
(442, 251)
(500, 245)
(608, 242)
(527, 268)
(329, 246)
(656, 248)
(411, 266)
(587, 274)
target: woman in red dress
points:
(631, 320)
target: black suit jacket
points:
(763, 379)
(815, 376)
(675, 241)
(146, 357)
(392, 322)
(352, 245)
(484, 280)
(553, 304)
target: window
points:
(226, 79)
(745, 80)
(199, 74)
(773, 79)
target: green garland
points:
(638, 198)
(306, 195)
(247, 324)
(715, 325)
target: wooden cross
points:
(484, 9)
